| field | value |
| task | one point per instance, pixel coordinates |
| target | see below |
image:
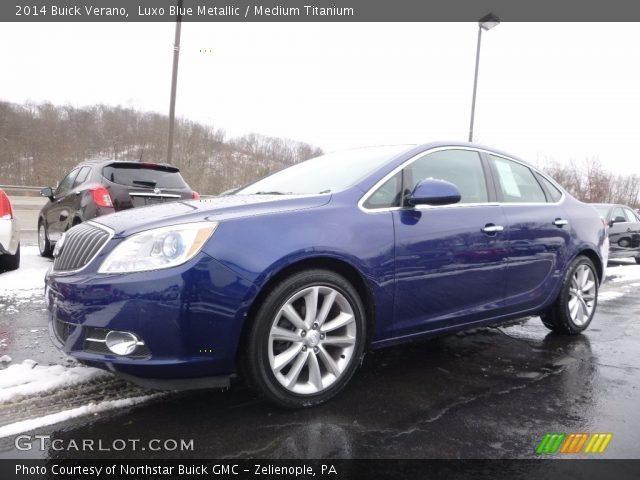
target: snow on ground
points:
(91, 408)
(29, 378)
(623, 272)
(611, 295)
(22, 285)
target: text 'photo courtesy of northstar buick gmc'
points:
(288, 281)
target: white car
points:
(9, 236)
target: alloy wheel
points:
(42, 239)
(582, 295)
(312, 339)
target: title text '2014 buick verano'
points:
(289, 280)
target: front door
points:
(450, 260)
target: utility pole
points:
(174, 82)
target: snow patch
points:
(28, 281)
(623, 273)
(29, 378)
(606, 296)
(91, 408)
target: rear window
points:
(143, 176)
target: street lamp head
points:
(489, 21)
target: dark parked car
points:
(289, 280)
(99, 187)
(624, 230)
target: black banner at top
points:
(317, 10)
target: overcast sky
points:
(553, 90)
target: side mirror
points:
(434, 192)
(47, 192)
(618, 219)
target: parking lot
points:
(489, 393)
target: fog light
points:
(122, 343)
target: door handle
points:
(560, 222)
(490, 228)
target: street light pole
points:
(485, 23)
(174, 82)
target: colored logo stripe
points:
(574, 443)
(598, 443)
(550, 443)
(557, 442)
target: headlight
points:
(159, 248)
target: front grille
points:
(81, 244)
(62, 329)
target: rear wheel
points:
(575, 306)
(10, 262)
(307, 339)
(43, 241)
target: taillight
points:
(101, 197)
(6, 211)
(195, 195)
(604, 223)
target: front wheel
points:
(43, 241)
(575, 306)
(307, 339)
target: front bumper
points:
(189, 318)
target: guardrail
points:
(24, 188)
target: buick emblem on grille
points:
(157, 191)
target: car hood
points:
(127, 222)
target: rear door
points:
(539, 232)
(138, 184)
(450, 260)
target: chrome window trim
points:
(111, 233)
(408, 162)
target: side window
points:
(463, 168)
(618, 215)
(66, 183)
(556, 194)
(631, 217)
(82, 176)
(388, 195)
(517, 182)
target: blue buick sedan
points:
(290, 280)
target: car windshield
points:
(325, 174)
(603, 210)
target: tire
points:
(43, 241)
(637, 259)
(10, 262)
(568, 315)
(321, 351)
